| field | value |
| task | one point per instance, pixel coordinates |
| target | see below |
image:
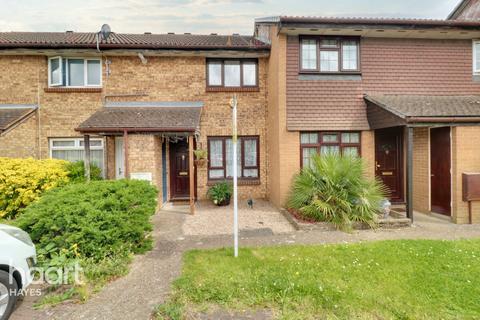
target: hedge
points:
(96, 219)
(22, 181)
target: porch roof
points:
(157, 116)
(11, 114)
(397, 110)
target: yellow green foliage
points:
(22, 181)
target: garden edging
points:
(389, 223)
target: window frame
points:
(241, 140)
(60, 61)
(317, 53)
(320, 142)
(474, 57)
(66, 72)
(222, 63)
(76, 145)
(338, 49)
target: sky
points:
(195, 16)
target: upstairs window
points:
(74, 72)
(476, 57)
(309, 54)
(232, 73)
(329, 55)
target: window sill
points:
(66, 89)
(345, 73)
(334, 77)
(241, 182)
(233, 89)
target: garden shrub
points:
(335, 189)
(220, 193)
(76, 171)
(22, 181)
(92, 220)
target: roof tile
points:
(128, 41)
(151, 118)
(428, 106)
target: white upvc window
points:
(476, 56)
(55, 71)
(74, 72)
(72, 149)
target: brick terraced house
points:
(142, 101)
(403, 94)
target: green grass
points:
(414, 279)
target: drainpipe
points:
(410, 173)
(39, 122)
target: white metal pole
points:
(235, 200)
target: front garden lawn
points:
(412, 279)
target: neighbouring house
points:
(141, 102)
(404, 94)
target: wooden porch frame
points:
(410, 173)
(86, 158)
(191, 188)
(125, 154)
(191, 145)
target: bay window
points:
(74, 72)
(329, 55)
(344, 143)
(220, 152)
(72, 149)
(232, 73)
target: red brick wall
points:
(389, 66)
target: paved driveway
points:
(148, 283)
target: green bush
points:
(92, 221)
(76, 171)
(220, 193)
(22, 181)
(335, 189)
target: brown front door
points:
(440, 164)
(179, 167)
(389, 160)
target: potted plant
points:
(221, 193)
(200, 156)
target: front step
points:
(180, 201)
(399, 210)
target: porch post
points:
(86, 158)
(410, 173)
(191, 175)
(125, 153)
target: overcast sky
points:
(195, 16)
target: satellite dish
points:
(105, 31)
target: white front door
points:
(119, 158)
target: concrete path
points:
(148, 283)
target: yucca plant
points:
(335, 189)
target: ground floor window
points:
(220, 165)
(72, 149)
(345, 143)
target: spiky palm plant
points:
(335, 189)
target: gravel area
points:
(213, 220)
